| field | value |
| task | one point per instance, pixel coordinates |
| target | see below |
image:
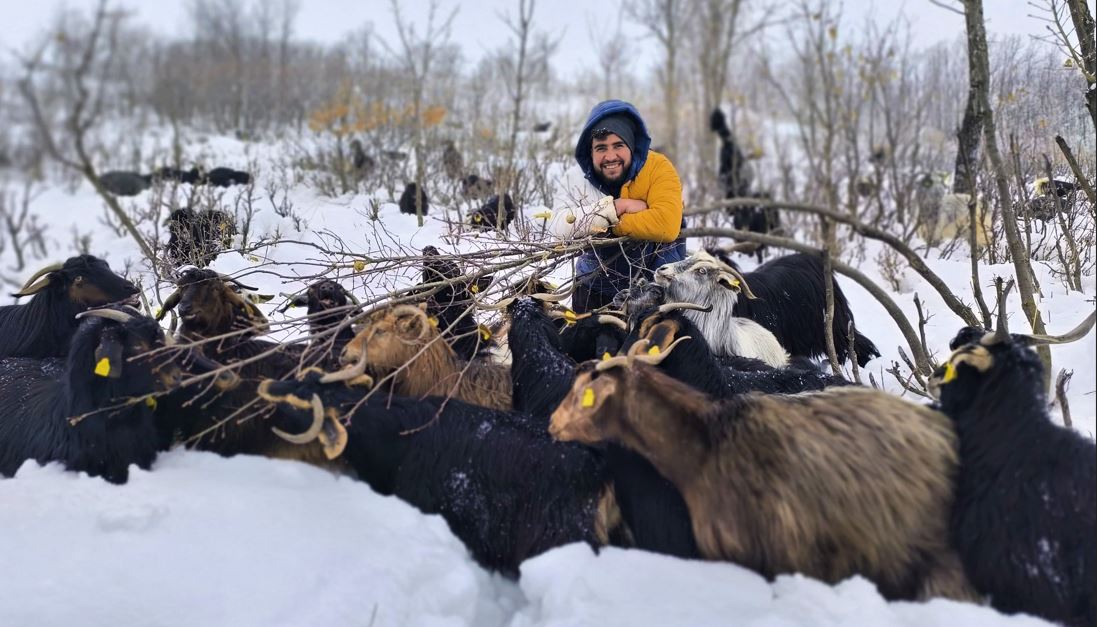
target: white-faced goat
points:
(786, 296)
(828, 484)
(704, 280)
(44, 326)
(1025, 518)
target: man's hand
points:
(629, 205)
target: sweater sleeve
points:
(662, 220)
(579, 210)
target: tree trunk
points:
(1084, 28)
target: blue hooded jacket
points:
(609, 270)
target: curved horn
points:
(557, 297)
(50, 268)
(236, 282)
(499, 306)
(358, 369)
(612, 362)
(1073, 335)
(109, 314)
(314, 429)
(743, 285)
(655, 359)
(400, 311)
(169, 304)
(352, 297)
(613, 320)
(669, 307)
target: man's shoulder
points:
(656, 160)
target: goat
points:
(829, 484)
(475, 188)
(44, 326)
(701, 278)
(401, 342)
(542, 375)
(591, 335)
(785, 296)
(123, 183)
(226, 177)
(661, 324)
(92, 411)
(328, 305)
(450, 304)
(489, 215)
(196, 238)
(1026, 495)
(734, 171)
(223, 326)
(414, 200)
(507, 491)
(362, 163)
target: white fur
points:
(725, 333)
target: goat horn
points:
(169, 304)
(314, 429)
(50, 268)
(400, 311)
(358, 369)
(499, 306)
(614, 320)
(333, 437)
(1073, 335)
(743, 285)
(555, 298)
(612, 362)
(352, 297)
(669, 307)
(109, 314)
(236, 282)
(657, 358)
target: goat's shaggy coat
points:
(44, 326)
(507, 491)
(449, 304)
(107, 366)
(828, 484)
(414, 195)
(1025, 519)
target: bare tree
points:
(667, 21)
(613, 56)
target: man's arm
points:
(580, 210)
(662, 220)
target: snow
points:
(202, 540)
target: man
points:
(619, 187)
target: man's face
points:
(611, 158)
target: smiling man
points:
(619, 187)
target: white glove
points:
(606, 209)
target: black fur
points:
(123, 183)
(506, 489)
(589, 338)
(225, 177)
(1025, 515)
(449, 303)
(40, 395)
(196, 238)
(791, 300)
(408, 200)
(44, 326)
(487, 215)
(329, 312)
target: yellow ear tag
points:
(156, 314)
(542, 215)
(150, 402)
(654, 350)
(475, 289)
(476, 218)
(291, 305)
(950, 373)
(570, 317)
(588, 398)
(605, 356)
(735, 282)
(359, 265)
(433, 321)
(485, 333)
(102, 368)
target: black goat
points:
(362, 163)
(590, 336)
(541, 376)
(475, 188)
(226, 177)
(488, 215)
(452, 161)
(44, 326)
(734, 173)
(328, 306)
(1025, 515)
(414, 200)
(95, 413)
(789, 301)
(505, 489)
(196, 238)
(124, 183)
(449, 304)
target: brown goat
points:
(828, 484)
(403, 342)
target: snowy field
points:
(202, 540)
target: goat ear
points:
(729, 282)
(301, 300)
(108, 356)
(481, 284)
(662, 334)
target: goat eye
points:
(702, 270)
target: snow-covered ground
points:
(247, 541)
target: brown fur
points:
(828, 484)
(405, 343)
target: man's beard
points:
(616, 181)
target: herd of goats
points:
(705, 432)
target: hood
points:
(582, 146)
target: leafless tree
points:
(666, 21)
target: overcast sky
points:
(478, 29)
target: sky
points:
(478, 29)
